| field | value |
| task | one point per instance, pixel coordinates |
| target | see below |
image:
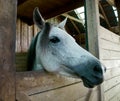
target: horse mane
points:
(31, 53)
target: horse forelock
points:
(44, 39)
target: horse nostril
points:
(97, 69)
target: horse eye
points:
(54, 39)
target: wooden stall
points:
(42, 86)
(39, 85)
(36, 86)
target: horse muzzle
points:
(91, 72)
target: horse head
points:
(55, 51)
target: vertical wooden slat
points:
(18, 36)
(24, 34)
(7, 49)
(93, 24)
(30, 34)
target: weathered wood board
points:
(7, 49)
(109, 47)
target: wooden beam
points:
(52, 9)
(117, 4)
(75, 26)
(111, 2)
(93, 24)
(21, 2)
(7, 49)
(102, 16)
(102, 10)
(73, 18)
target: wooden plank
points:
(48, 9)
(111, 83)
(111, 2)
(7, 49)
(112, 92)
(108, 35)
(21, 62)
(30, 34)
(29, 80)
(77, 29)
(108, 45)
(105, 17)
(113, 72)
(110, 55)
(68, 93)
(24, 37)
(73, 18)
(21, 96)
(116, 97)
(81, 99)
(18, 36)
(111, 63)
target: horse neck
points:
(37, 63)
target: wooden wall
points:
(109, 45)
(40, 86)
(25, 33)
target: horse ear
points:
(37, 18)
(62, 24)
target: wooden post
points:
(92, 16)
(93, 23)
(117, 4)
(7, 49)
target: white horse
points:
(55, 51)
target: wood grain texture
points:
(43, 80)
(110, 57)
(92, 16)
(39, 85)
(7, 49)
(48, 8)
(18, 36)
(68, 93)
(93, 23)
(35, 86)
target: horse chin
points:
(90, 84)
(87, 83)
